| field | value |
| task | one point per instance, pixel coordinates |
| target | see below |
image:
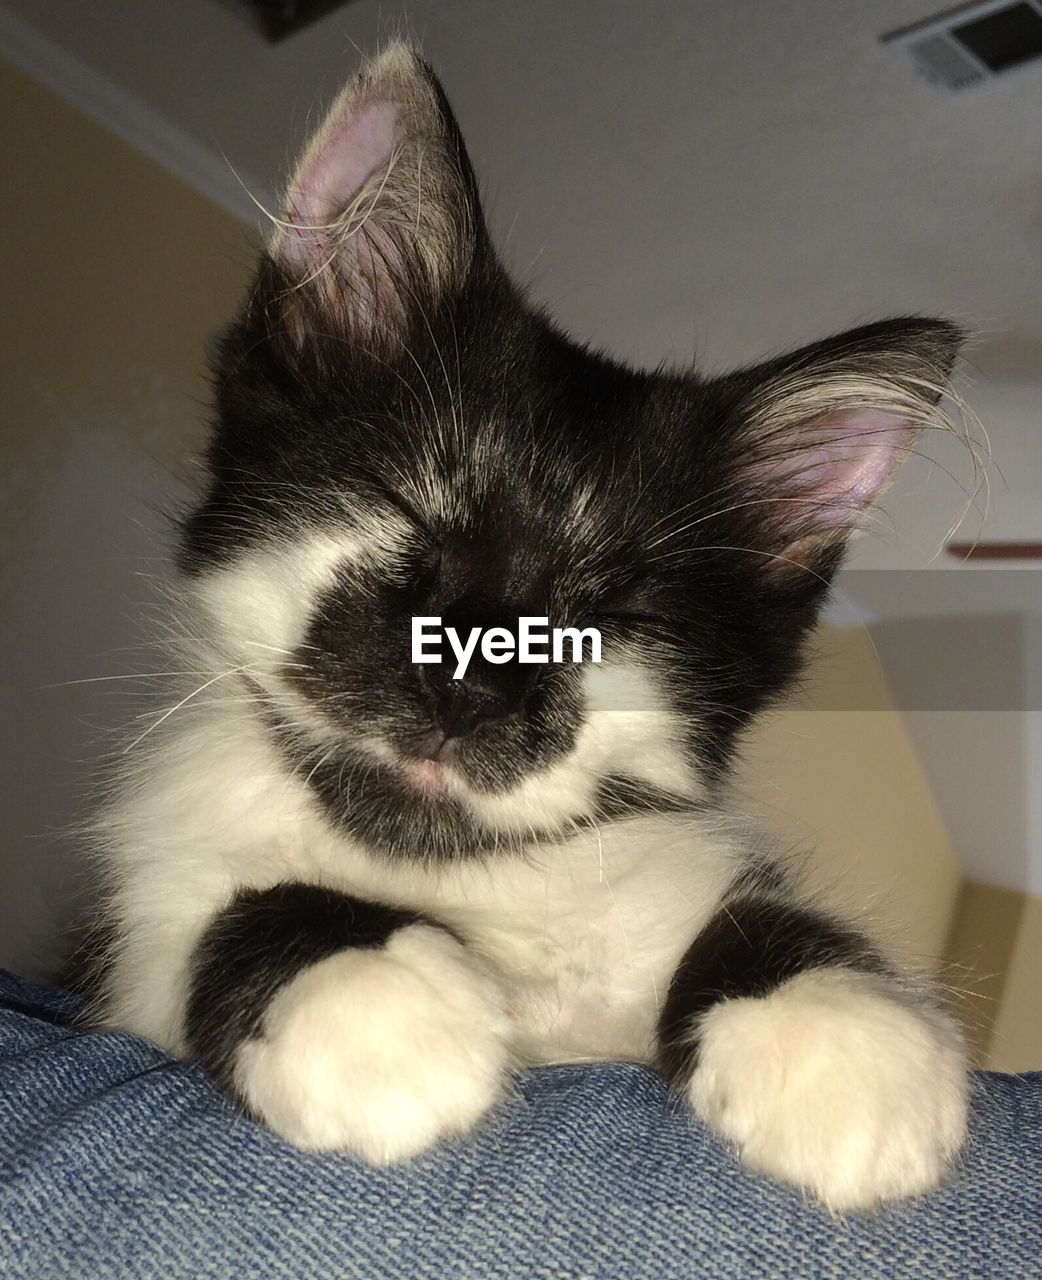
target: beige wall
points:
(996, 952)
(1016, 1042)
(114, 274)
(980, 951)
(835, 774)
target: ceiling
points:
(670, 178)
(673, 179)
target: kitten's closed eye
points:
(404, 507)
(631, 603)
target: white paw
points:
(380, 1052)
(837, 1084)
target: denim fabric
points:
(117, 1162)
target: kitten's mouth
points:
(424, 775)
(426, 763)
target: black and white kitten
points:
(363, 893)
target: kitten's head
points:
(401, 433)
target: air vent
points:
(965, 47)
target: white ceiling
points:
(677, 177)
(671, 177)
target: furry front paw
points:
(380, 1051)
(837, 1084)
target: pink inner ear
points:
(354, 147)
(848, 459)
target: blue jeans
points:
(116, 1161)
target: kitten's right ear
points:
(382, 216)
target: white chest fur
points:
(584, 934)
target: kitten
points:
(361, 892)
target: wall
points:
(1016, 1041)
(835, 774)
(838, 776)
(961, 648)
(114, 275)
(995, 950)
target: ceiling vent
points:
(964, 47)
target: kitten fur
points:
(362, 893)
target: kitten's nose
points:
(461, 705)
(489, 692)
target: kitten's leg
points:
(792, 1039)
(346, 1024)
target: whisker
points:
(223, 675)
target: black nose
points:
(461, 705)
(488, 692)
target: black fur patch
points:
(752, 945)
(257, 944)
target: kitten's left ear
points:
(821, 432)
(381, 216)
